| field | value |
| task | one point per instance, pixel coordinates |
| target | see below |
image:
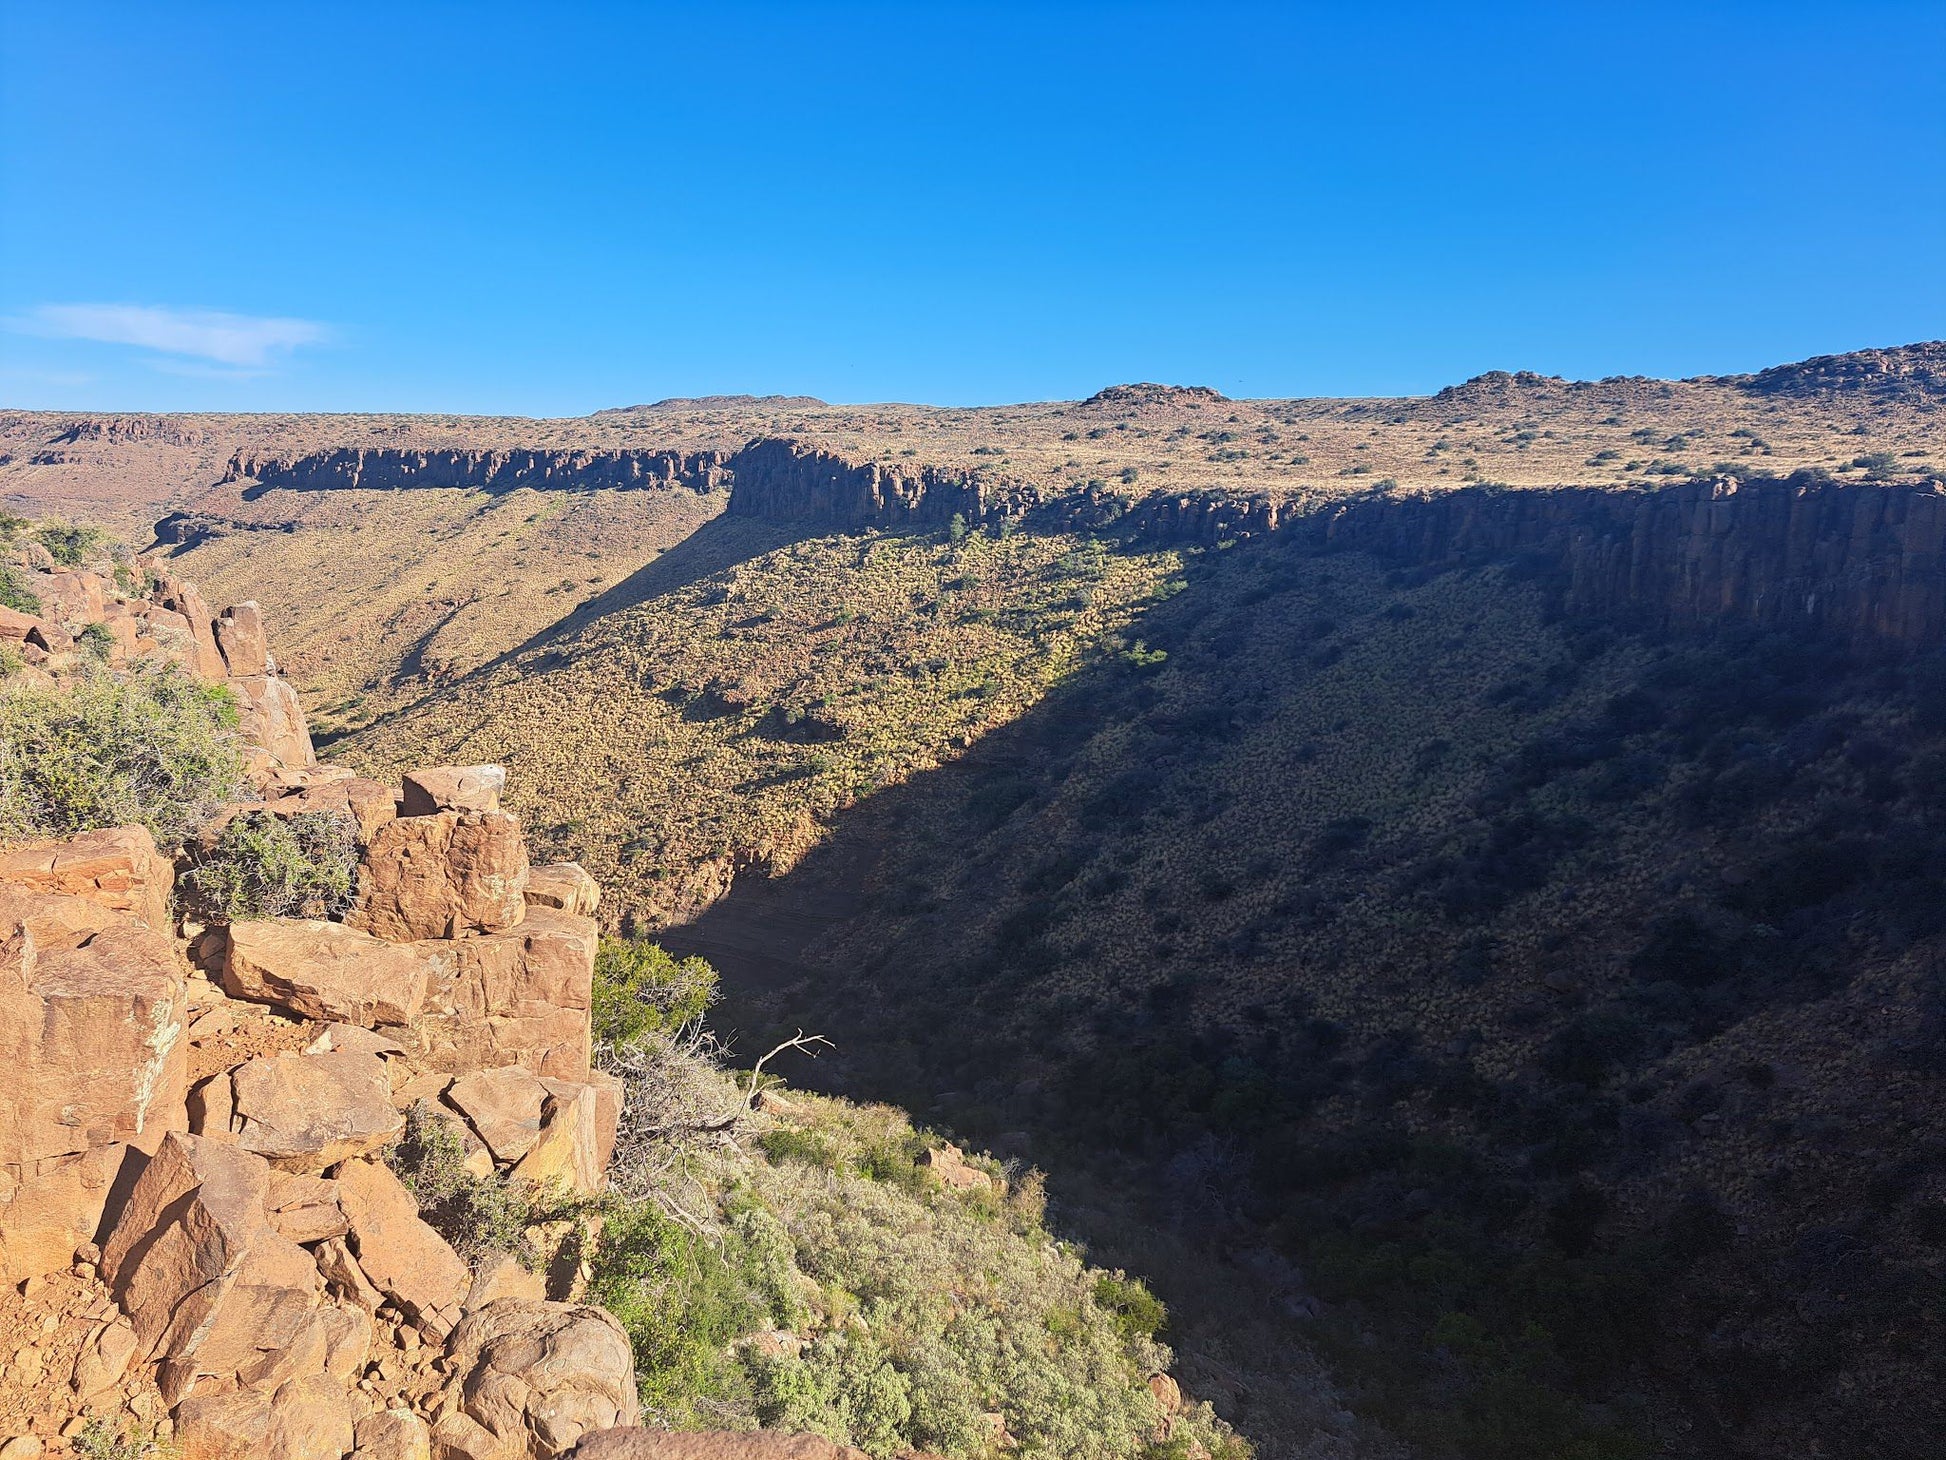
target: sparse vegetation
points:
(265, 866)
(152, 746)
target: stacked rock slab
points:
(91, 1024)
(266, 1274)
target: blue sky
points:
(550, 208)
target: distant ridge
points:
(1901, 370)
(1147, 393)
(719, 403)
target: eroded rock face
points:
(399, 1254)
(519, 997)
(211, 1289)
(541, 1376)
(240, 637)
(119, 868)
(272, 721)
(91, 1013)
(563, 885)
(328, 971)
(452, 788)
(304, 1112)
(443, 875)
(504, 1107)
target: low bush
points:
(476, 1215)
(265, 866)
(154, 747)
(14, 593)
(69, 544)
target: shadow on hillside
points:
(720, 543)
(789, 956)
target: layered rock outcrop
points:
(1864, 562)
(124, 615)
(384, 469)
(203, 1148)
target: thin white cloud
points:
(241, 341)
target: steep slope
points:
(1562, 999)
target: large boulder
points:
(563, 885)
(187, 600)
(240, 637)
(567, 1154)
(519, 997)
(452, 788)
(443, 875)
(328, 971)
(305, 1418)
(272, 723)
(119, 868)
(304, 1112)
(217, 1298)
(399, 1254)
(91, 1025)
(638, 1444)
(370, 803)
(539, 1377)
(504, 1107)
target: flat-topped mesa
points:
(1857, 560)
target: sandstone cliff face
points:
(487, 471)
(1866, 563)
(791, 480)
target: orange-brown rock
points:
(442, 876)
(303, 1112)
(118, 868)
(304, 1418)
(91, 1010)
(504, 1107)
(186, 600)
(304, 1208)
(637, 1444)
(210, 1288)
(325, 970)
(369, 803)
(70, 597)
(566, 1155)
(502, 1277)
(392, 1435)
(240, 639)
(518, 997)
(272, 723)
(948, 1163)
(539, 1377)
(16, 625)
(563, 885)
(399, 1254)
(452, 788)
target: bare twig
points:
(800, 1041)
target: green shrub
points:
(788, 1143)
(640, 989)
(69, 544)
(477, 1215)
(681, 1303)
(11, 662)
(1138, 1315)
(98, 639)
(154, 747)
(266, 866)
(14, 594)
